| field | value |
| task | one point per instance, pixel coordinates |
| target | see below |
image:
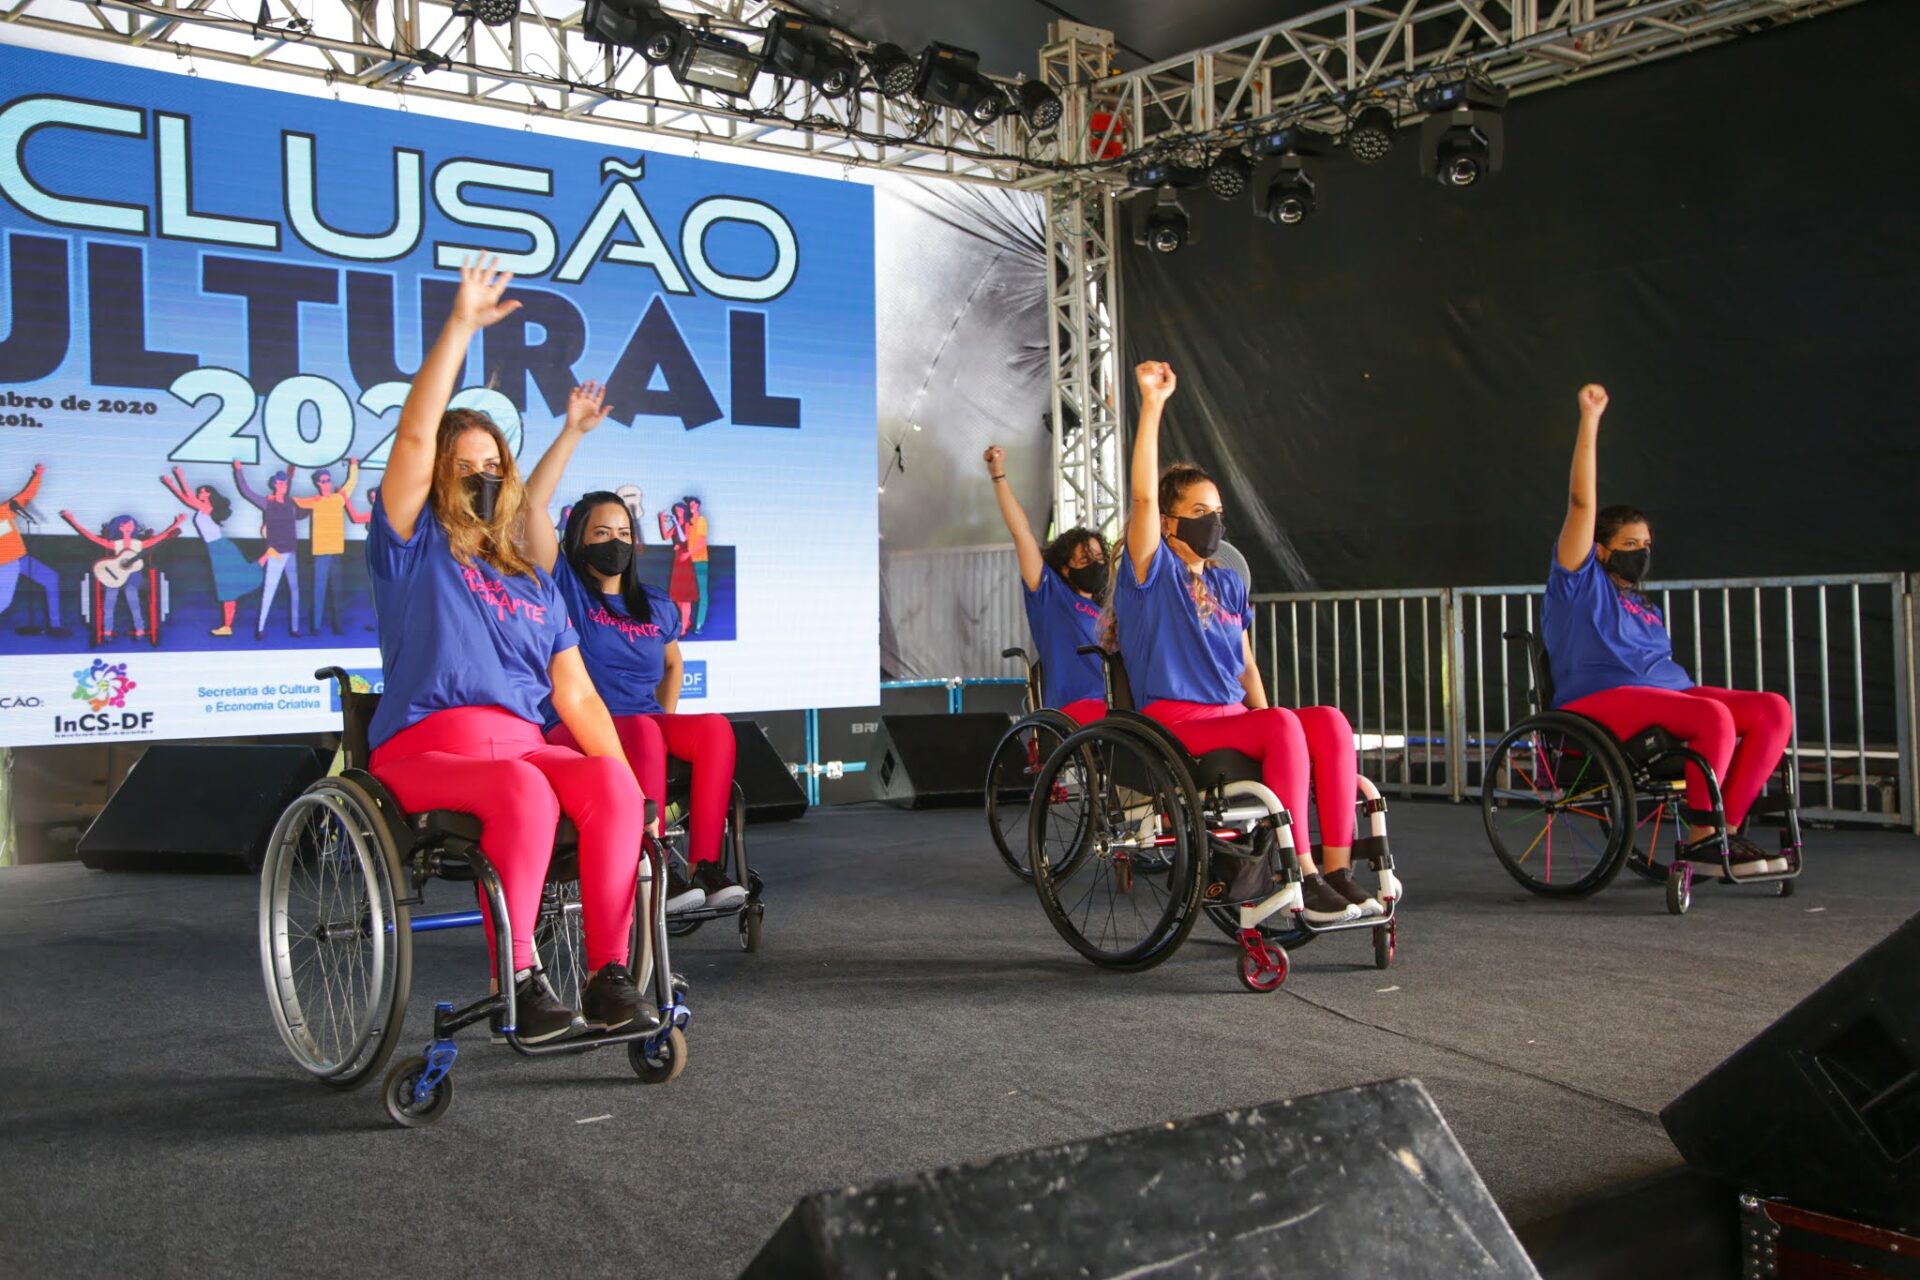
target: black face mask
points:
(1088, 578)
(1201, 533)
(1631, 565)
(609, 558)
(483, 491)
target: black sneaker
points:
(1343, 884)
(720, 891)
(1324, 904)
(1749, 859)
(611, 1001)
(682, 894)
(539, 1014)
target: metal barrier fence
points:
(1431, 682)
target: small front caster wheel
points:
(1386, 939)
(1679, 890)
(1786, 888)
(1258, 975)
(403, 1106)
(665, 1059)
(750, 927)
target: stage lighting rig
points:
(893, 69)
(803, 50)
(1039, 106)
(1292, 192)
(950, 77)
(1462, 139)
(1229, 174)
(490, 13)
(1163, 226)
(637, 25)
(1161, 171)
(716, 62)
(1370, 134)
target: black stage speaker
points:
(773, 793)
(926, 762)
(199, 808)
(1823, 1107)
(1354, 1183)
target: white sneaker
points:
(682, 896)
(1344, 884)
(721, 892)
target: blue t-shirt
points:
(1599, 637)
(1169, 652)
(454, 636)
(1062, 621)
(625, 657)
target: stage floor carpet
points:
(911, 1007)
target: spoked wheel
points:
(559, 941)
(1115, 834)
(1657, 831)
(1011, 775)
(1679, 890)
(406, 1109)
(1558, 805)
(1263, 973)
(665, 1059)
(336, 943)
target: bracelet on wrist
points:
(1001, 476)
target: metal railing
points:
(1430, 681)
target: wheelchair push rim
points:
(336, 947)
(1021, 754)
(1116, 866)
(1557, 800)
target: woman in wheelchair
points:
(1063, 585)
(630, 641)
(474, 639)
(1612, 658)
(1180, 620)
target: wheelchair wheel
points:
(1558, 804)
(1657, 824)
(559, 940)
(336, 942)
(662, 1062)
(1116, 844)
(1016, 764)
(402, 1107)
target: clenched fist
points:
(1156, 380)
(996, 459)
(1593, 400)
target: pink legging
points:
(704, 741)
(1085, 710)
(1741, 733)
(492, 764)
(1294, 747)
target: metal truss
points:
(1317, 68)
(1083, 306)
(542, 66)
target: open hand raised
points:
(478, 303)
(586, 408)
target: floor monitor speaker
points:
(1357, 1182)
(934, 761)
(187, 807)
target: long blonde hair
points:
(469, 537)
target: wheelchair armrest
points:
(1087, 650)
(1517, 634)
(1015, 652)
(336, 674)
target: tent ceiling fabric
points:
(1008, 34)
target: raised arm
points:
(85, 532)
(170, 531)
(353, 478)
(247, 490)
(1156, 382)
(584, 412)
(32, 486)
(1583, 487)
(176, 484)
(403, 491)
(1026, 547)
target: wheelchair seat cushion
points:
(1225, 765)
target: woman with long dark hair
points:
(233, 574)
(476, 643)
(630, 638)
(1612, 657)
(1064, 583)
(1181, 619)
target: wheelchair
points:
(1568, 805)
(1124, 830)
(339, 887)
(1016, 762)
(751, 913)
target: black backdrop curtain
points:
(1726, 239)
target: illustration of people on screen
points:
(697, 549)
(683, 587)
(18, 565)
(122, 573)
(234, 575)
(280, 518)
(330, 509)
(634, 501)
